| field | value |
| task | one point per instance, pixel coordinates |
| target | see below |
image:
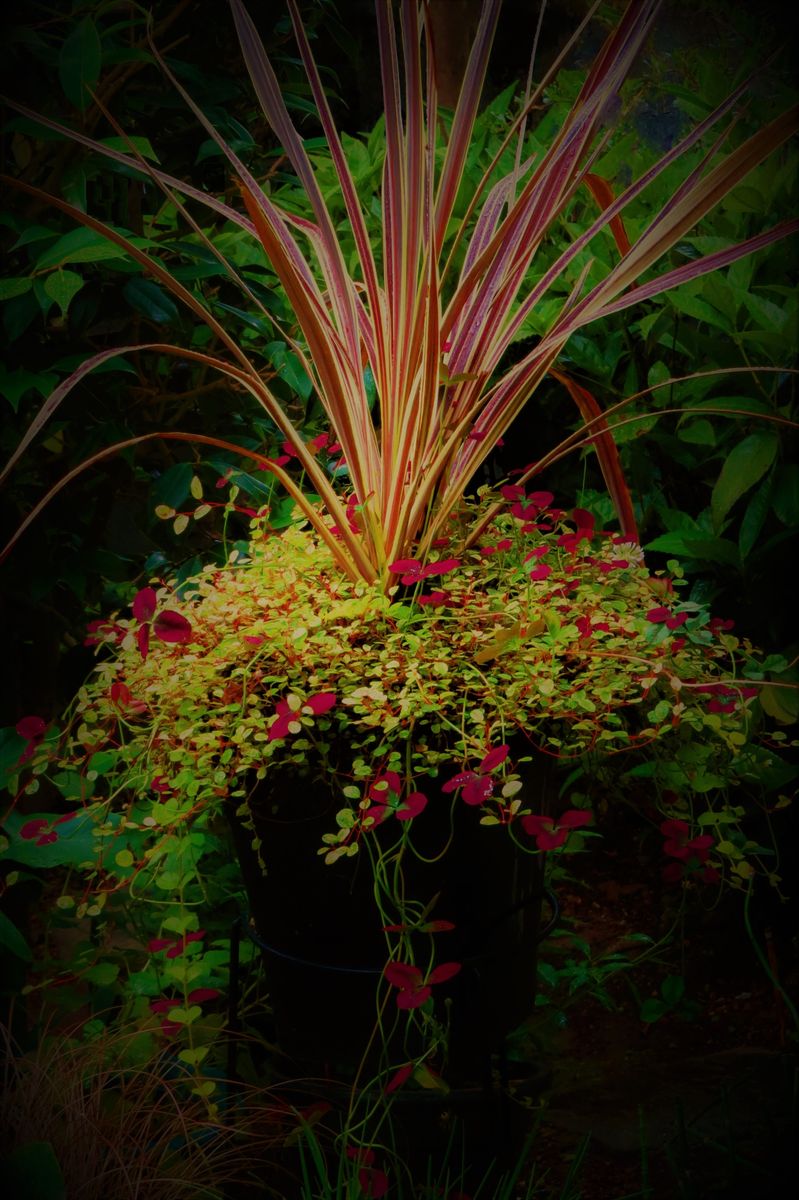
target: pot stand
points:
(319, 930)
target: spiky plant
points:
(434, 308)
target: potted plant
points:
(391, 672)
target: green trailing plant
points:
(276, 663)
(81, 1118)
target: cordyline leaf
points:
(173, 435)
(606, 451)
(435, 345)
(602, 192)
(133, 164)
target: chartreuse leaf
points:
(193, 1055)
(744, 466)
(185, 1016)
(79, 63)
(429, 1079)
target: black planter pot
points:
(324, 951)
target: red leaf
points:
(415, 999)
(201, 994)
(493, 759)
(415, 803)
(32, 829)
(170, 626)
(120, 694)
(387, 783)
(373, 1181)
(443, 972)
(361, 1154)
(143, 639)
(542, 499)
(164, 1005)
(551, 841)
(377, 814)
(31, 728)
(437, 927)
(404, 565)
(459, 780)
(574, 818)
(541, 571)
(535, 825)
(443, 567)
(398, 1078)
(674, 828)
(144, 604)
(673, 873)
(280, 726)
(478, 790)
(322, 702)
(403, 975)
